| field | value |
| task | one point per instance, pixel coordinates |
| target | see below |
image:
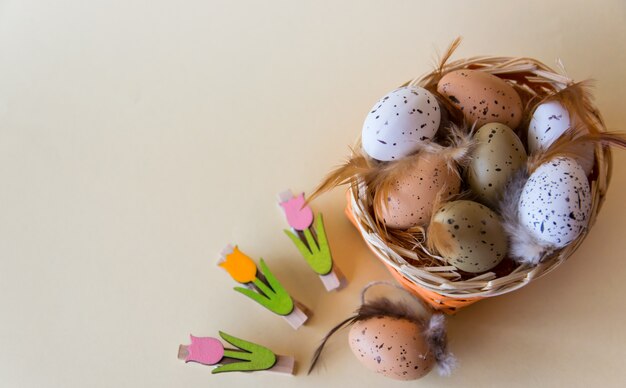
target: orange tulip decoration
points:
(265, 289)
(310, 239)
(240, 266)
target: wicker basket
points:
(442, 286)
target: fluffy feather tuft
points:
(457, 146)
(446, 364)
(524, 248)
(437, 339)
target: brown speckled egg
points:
(393, 347)
(482, 97)
(411, 198)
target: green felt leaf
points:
(260, 299)
(273, 297)
(281, 302)
(254, 356)
(311, 242)
(304, 250)
(317, 253)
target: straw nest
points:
(405, 253)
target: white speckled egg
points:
(549, 121)
(411, 198)
(468, 235)
(556, 201)
(393, 347)
(398, 122)
(498, 154)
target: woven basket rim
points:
(436, 278)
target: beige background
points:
(137, 138)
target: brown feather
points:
(439, 240)
(430, 81)
(459, 145)
(447, 54)
(391, 171)
(572, 142)
(318, 352)
(380, 202)
(358, 166)
(576, 99)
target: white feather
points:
(436, 325)
(437, 339)
(446, 365)
(523, 246)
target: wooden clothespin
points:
(262, 286)
(247, 357)
(310, 239)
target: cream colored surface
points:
(137, 138)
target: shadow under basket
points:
(427, 276)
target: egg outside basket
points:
(426, 275)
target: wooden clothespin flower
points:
(247, 357)
(264, 288)
(299, 215)
(311, 239)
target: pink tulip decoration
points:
(309, 236)
(204, 350)
(244, 356)
(299, 216)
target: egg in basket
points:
(477, 178)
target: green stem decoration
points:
(317, 253)
(253, 356)
(274, 297)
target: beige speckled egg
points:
(498, 154)
(468, 235)
(411, 198)
(393, 347)
(482, 97)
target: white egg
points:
(399, 122)
(550, 120)
(556, 202)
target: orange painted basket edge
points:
(438, 302)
